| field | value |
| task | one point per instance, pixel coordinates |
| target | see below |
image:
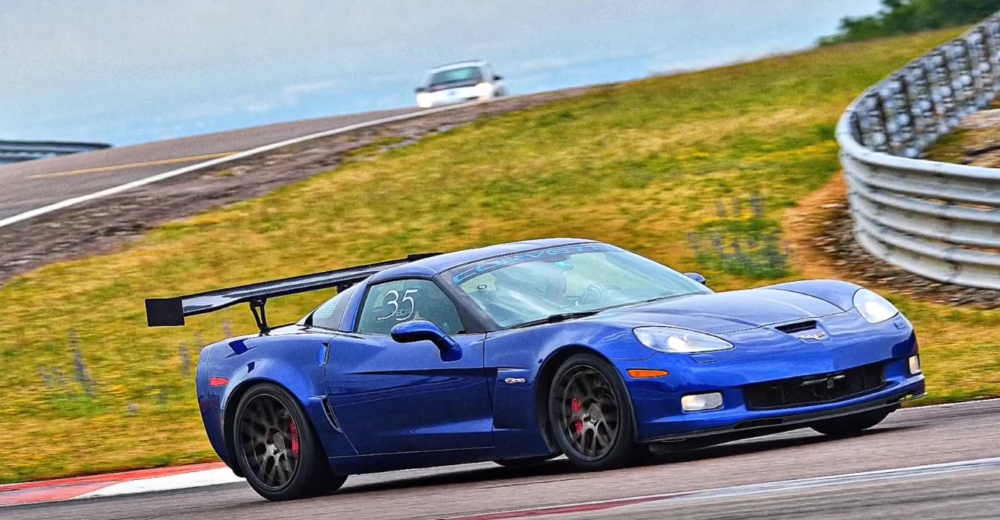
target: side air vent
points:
(792, 328)
(330, 415)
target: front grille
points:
(805, 391)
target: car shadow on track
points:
(564, 469)
(763, 444)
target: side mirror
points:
(497, 78)
(419, 330)
(420, 90)
(696, 277)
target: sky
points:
(131, 71)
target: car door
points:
(396, 398)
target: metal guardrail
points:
(19, 151)
(937, 220)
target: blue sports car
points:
(518, 353)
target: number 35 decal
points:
(398, 310)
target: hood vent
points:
(801, 326)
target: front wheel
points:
(591, 416)
(851, 424)
(277, 449)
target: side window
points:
(395, 302)
(330, 314)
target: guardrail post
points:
(856, 132)
(992, 31)
(963, 82)
(944, 95)
(899, 124)
(982, 56)
(873, 123)
(922, 107)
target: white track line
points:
(211, 477)
(37, 212)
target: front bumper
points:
(746, 423)
(763, 358)
(448, 97)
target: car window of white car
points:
(458, 75)
(391, 303)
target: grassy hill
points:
(677, 168)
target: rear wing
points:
(171, 312)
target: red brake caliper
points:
(575, 405)
(295, 440)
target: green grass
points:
(643, 165)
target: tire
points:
(591, 415)
(523, 463)
(851, 424)
(277, 448)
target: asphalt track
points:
(34, 184)
(704, 484)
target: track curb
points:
(112, 484)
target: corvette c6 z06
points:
(520, 352)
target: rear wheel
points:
(277, 449)
(851, 424)
(591, 416)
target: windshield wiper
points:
(556, 318)
(659, 298)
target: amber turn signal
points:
(638, 373)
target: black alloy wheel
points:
(269, 440)
(590, 414)
(277, 449)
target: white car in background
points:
(460, 82)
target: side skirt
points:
(362, 464)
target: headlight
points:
(679, 341)
(873, 307)
(425, 99)
(484, 90)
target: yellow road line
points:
(135, 165)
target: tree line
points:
(908, 16)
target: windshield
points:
(461, 75)
(533, 286)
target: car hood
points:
(724, 312)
